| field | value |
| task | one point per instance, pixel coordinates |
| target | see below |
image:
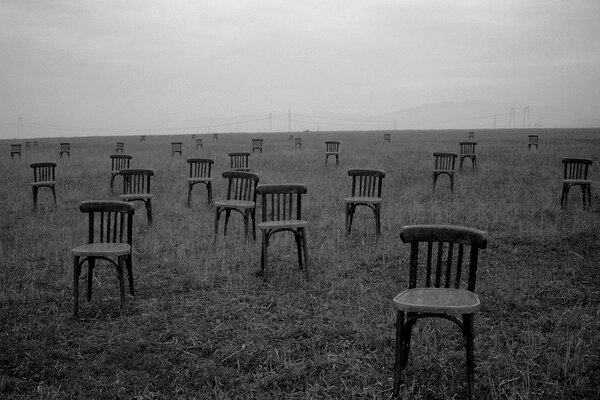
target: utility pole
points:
(20, 124)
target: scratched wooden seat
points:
(15, 149)
(239, 161)
(199, 143)
(120, 147)
(366, 191)
(136, 187)
(282, 212)
(444, 165)
(533, 141)
(44, 175)
(109, 239)
(65, 148)
(387, 137)
(200, 172)
(467, 150)
(176, 148)
(257, 144)
(27, 145)
(575, 173)
(471, 135)
(332, 149)
(117, 163)
(437, 287)
(297, 142)
(290, 138)
(241, 198)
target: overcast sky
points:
(122, 64)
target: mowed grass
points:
(203, 325)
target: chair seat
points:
(102, 249)
(136, 196)
(437, 300)
(448, 171)
(363, 200)
(43, 183)
(577, 181)
(332, 152)
(199, 180)
(290, 223)
(238, 204)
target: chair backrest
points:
(198, 142)
(136, 180)
(15, 147)
(444, 161)
(297, 140)
(215, 136)
(65, 146)
(200, 167)
(43, 171)
(281, 202)
(239, 160)
(109, 221)
(290, 138)
(387, 136)
(471, 135)
(257, 142)
(176, 146)
(576, 168)
(120, 146)
(119, 162)
(444, 266)
(366, 182)
(142, 138)
(533, 138)
(241, 185)
(332, 147)
(467, 147)
(27, 145)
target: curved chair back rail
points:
(136, 180)
(366, 182)
(444, 161)
(278, 203)
(119, 162)
(576, 168)
(241, 185)
(467, 148)
(239, 161)
(43, 171)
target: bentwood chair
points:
(471, 135)
(136, 187)
(467, 150)
(437, 287)
(257, 144)
(117, 163)
(200, 172)
(366, 191)
(120, 147)
(290, 138)
(109, 239)
(297, 142)
(533, 141)
(65, 148)
(176, 148)
(44, 175)
(199, 143)
(332, 149)
(444, 165)
(239, 161)
(14, 150)
(575, 173)
(387, 137)
(241, 197)
(282, 212)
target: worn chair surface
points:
(332, 149)
(575, 173)
(444, 164)
(136, 187)
(467, 150)
(239, 161)
(44, 175)
(200, 172)
(366, 191)
(241, 197)
(117, 163)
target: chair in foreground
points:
(575, 173)
(117, 163)
(176, 148)
(200, 172)
(239, 161)
(387, 137)
(257, 144)
(43, 176)
(332, 149)
(109, 239)
(120, 147)
(437, 289)
(282, 212)
(241, 197)
(65, 148)
(444, 165)
(15, 149)
(366, 191)
(467, 150)
(533, 141)
(136, 187)
(297, 142)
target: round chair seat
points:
(437, 300)
(577, 181)
(287, 224)
(363, 200)
(239, 204)
(43, 183)
(136, 196)
(197, 180)
(102, 249)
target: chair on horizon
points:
(44, 175)
(241, 197)
(290, 138)
(575, 173)
(366, 191)
(175, 148)
(35, 143)
(27, 145)
(387, 137)
(444, 165)
(200, 172)
(257, 144)
(467, 150)
(109, 239)
(14, 150)
(120, 147)
(117, 163)
(297, 142)
(433, 291)
(65, 148)
(136, 187)
(332, 149)
(199, 143)
(239, 161)
(142, 138)
(282, 212)
(215, 136)
(193, 136)
(533, 141)
(471, 135)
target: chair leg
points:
(305, 250)
(469, 339)
(216, 230)
(35, 197)
(227, 215)
(253, 217)
(352, 211)
(76, 273)
(246, 218)
(347, 219)
(129, 266)
(189, 197)
(54, 196)
(112, 180)
(265, 259)
(149, 210)
(474, 162)
(121, 277)
(563, 197)
(434, 180)
(461, 163)
(337, 160)
(209, 190)
(399, 352)
(298, 240)
(451, 183)
(377, 211)
(90, 276)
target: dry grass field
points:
(203, 325)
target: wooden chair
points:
(44, 175)
(34, 143)
(120, 147)
(193, 136)
(467, 150)
(239, 161)
(366, 191)
(435, 292)
(575, 173)
(136, 187)
(282, 212)
(215, 136)
(200, 172)
(444, 165)
(332, 149)
(142, 138)
(290, 138)
(175, 148)
(257, 144)
(14, 150)
(199, 143)
(241, 197)
(387, 137)
(65, 148)
(117, 163)
(109, 239)
(27, 145)
(533, 141)
(297, 142)
(471, 135)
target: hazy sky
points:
(113, 65)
